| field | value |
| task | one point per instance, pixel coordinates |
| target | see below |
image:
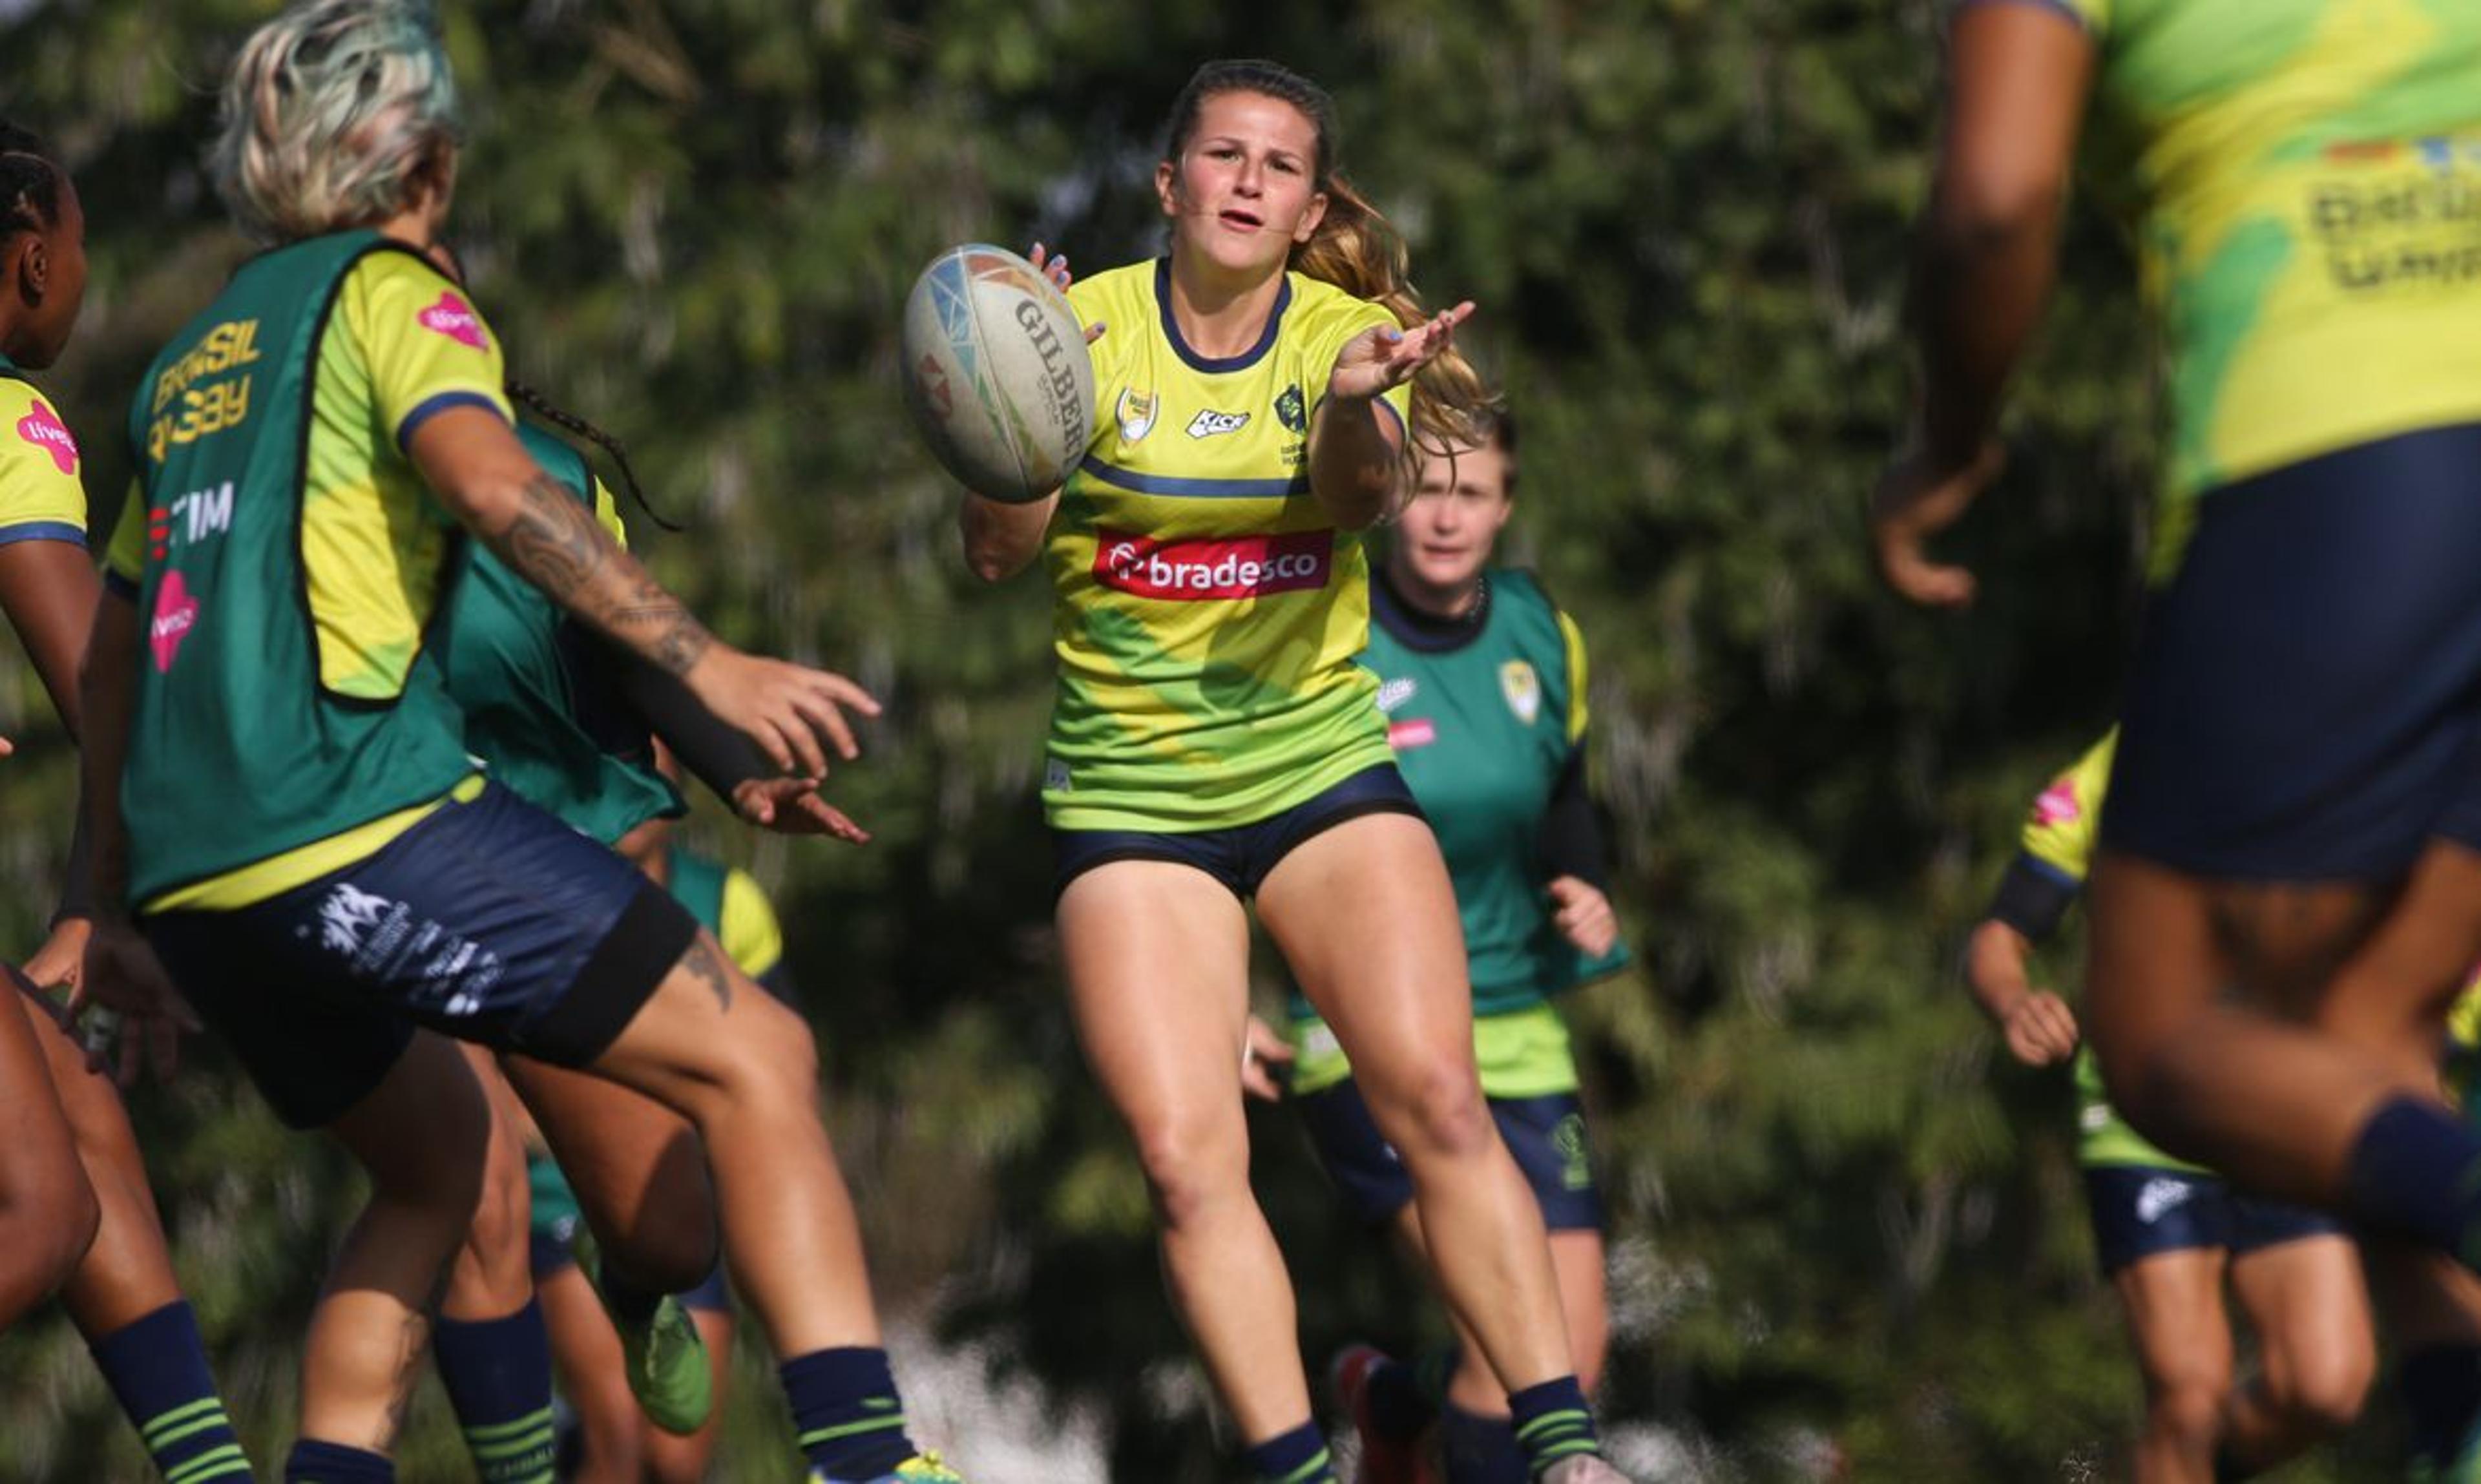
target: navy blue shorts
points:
(1240, 856)
(490, 921)
(1546, 1136)
(2141, 1211)
(2306, 699)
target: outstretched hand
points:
(793, 806)
(1382, 357)
(1916, 500)
(793, 713)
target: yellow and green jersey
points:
(2058, 843)
(1207, 613)
(42, 498)
(288, 561)
(2303, 178)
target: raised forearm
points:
(1355, 471)
(1994, 969)
(549, 538)
(106, 684)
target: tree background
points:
(1847, 1234)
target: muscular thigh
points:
(1156, 955)
(1366, 917)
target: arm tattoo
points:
(554, 544)
(707, 968)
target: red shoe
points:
(1384, 1460)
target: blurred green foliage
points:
(1843, 1227)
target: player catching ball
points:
(1215, 742)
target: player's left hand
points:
(1583, 915)
(1915, 500)
(1382, 357)
(1265, 1063)
(59, 963)
(793, 806)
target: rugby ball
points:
(996, 373)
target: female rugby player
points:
(1213, 742)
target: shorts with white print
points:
(490, 921)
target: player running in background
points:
(1482, 681)
(2168, 1232)
(72, 1170)
(308, 847)
(2295, 807)
(1213, 742)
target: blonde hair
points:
(331, 110)
(1354, 247)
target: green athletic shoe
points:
(919, 1468)
(667, 1369)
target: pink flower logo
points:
(44, 429)
(176, 612)
(2057, 804)
(454, 319)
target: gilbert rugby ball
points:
(996, 373)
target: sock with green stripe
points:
(1295, 1457)
(845, 1410)
(157, 1366)
(314, 1462)
(1553, 1422)
(1480, 1449)
(498, 1377)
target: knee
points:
(2187, 1410)
(670, 1244)
(1437, 1111)
(47, 1221)
(1192, 1165)
(2322, 1391)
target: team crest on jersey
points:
(1135, 413)
(1523, 689)
(1290, 411)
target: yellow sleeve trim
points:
(751, 936)
(259, 880)
(1575, 640)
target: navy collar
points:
(1207, 363)
(1419, 630)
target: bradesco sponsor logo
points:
(1240, 567)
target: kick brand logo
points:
(1395, 693)
(1208, 569)
(454, 319)
(42, 428)
(1212, 424)
(2160, 1197)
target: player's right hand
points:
(793, 713)
(2041, 1029)
(1915, 500)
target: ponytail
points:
(1361, 252)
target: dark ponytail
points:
(565, 421)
